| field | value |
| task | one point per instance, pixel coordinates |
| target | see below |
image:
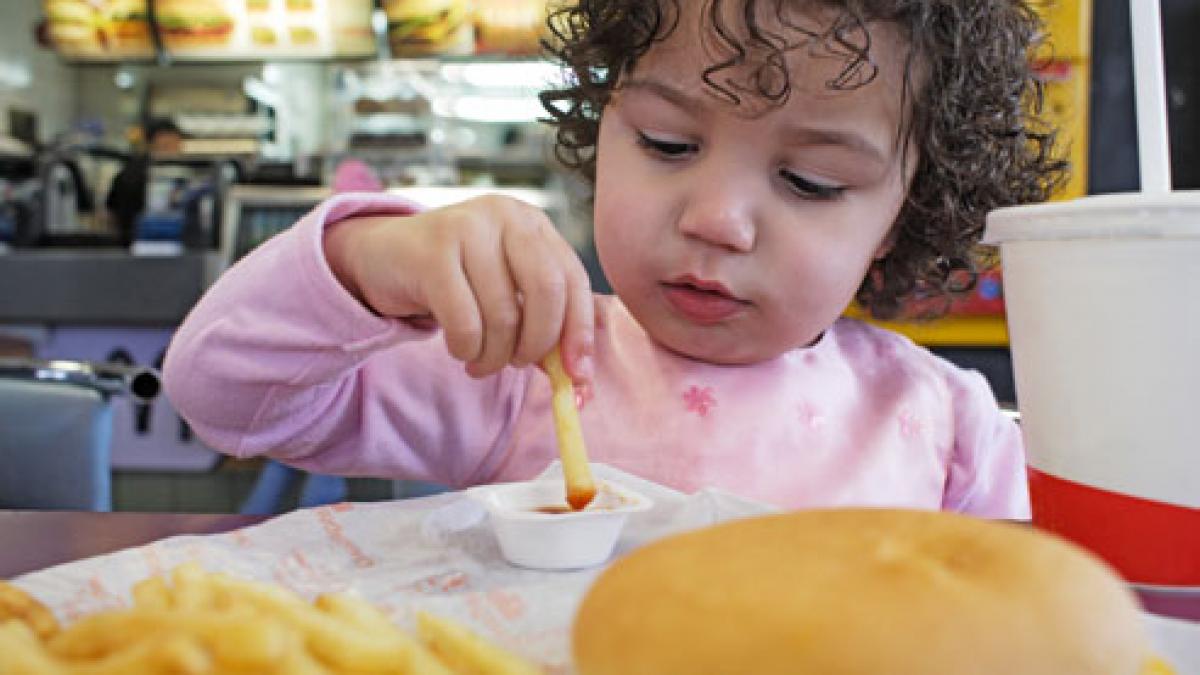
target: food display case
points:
(255, 213)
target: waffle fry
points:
(195, 622)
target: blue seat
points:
(54, 446)
(274, 480)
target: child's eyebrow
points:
(798, 135)
(676, 97)
(847, 139)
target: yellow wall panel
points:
(1066, 107)
(1069, 24)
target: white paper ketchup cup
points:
(535, 528)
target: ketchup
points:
(553, 510)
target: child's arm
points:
(279, 358)
(493, 272)
(987, 475)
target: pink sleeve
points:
(278, 359)
(987, 476)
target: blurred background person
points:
(127, 195)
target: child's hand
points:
(492, 271)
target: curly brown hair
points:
(974, 118)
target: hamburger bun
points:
(852, 591)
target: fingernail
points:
(585, 367)
(583, 394)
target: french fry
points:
(151, 593)
(581, 489)
(191, 622)
(1156, 666)
(331, 640)
(467, 653)
(22, 653)
(177, 654)
(105, 633)
(17, 604)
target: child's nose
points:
(720, 211)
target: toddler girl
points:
(757, 165)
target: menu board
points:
(428, 27)
(512, 27)
(112, 30)
(100, 30)
(264, 29)
(449, 27)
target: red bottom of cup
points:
(1148, 542)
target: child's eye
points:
(666, 148)
(809, 189)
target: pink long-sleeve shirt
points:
(278, 359)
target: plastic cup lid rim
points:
(1123, 215)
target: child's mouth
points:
(703, 303)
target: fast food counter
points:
(101, 287)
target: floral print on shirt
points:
(699, 400)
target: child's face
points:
(733, 238)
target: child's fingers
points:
(579, 322)
(541, 279)
(453, 305)
(490, 280)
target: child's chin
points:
(723, 350)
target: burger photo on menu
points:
(128, 24)
(193, 24)
(425, 27)
(99, 30)
(72, 26)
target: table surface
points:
(33, 540)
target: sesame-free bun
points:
(860, 591)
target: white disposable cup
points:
(1102, 296)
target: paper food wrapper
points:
(436, 554)
(1177, 641)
